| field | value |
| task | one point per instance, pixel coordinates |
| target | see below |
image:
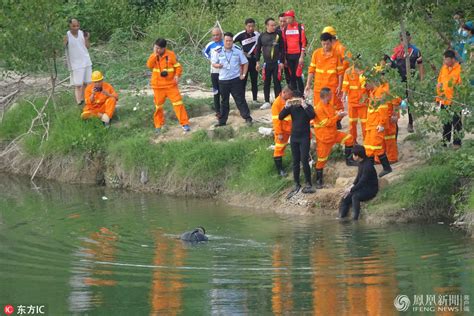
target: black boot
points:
(349, 160)
(319, 178)
(279, 166)
(294, 191)
(385, 164)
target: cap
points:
(289, 13)
(329, 29)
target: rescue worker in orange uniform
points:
(281, 129)
(377, 115)
(391, 133)
(327, 134)
(100, 98)
(346, 55)
(166, 71)
(353, 87)
(326, 69)
(449, 78)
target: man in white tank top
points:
(79, 62)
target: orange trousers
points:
(373, 143)
(357, 114)
(390, 142)
(280, 145)
(173, 94)
(323, 150)
(93, 110)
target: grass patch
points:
(435, 185)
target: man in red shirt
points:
(295, 41)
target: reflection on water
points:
(83, 255)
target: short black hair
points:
(281, 15)
(72, 19)
(326, 37)
(228, 34)
(359, 151)
(324, 92)
(406, 33)
(268, 20)
(161, 42)
(460, 13)
(298, 94)
(450, 54)
(249, 20)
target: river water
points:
(67, 248)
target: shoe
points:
(81, 103)
(107, 125)
(219, 124)
(456, 146)
(410, 128)
(319, 178)
(385, 164)
(186, 128)
(249, 122)
(339, 125)
(283, 173)
(293, 192)
(158, 130)
(308, 189)
(266, 106)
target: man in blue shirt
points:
(233, 67)
(207, 52)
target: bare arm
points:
(65, 41)
(421, 70)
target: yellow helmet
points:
(330, 30)
(97, 76)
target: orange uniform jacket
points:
(447, 79)
(99, 98)
(352, 85)
(377, 115)
(326, 69)
(166, 62)
(325, 123)
(284, 126)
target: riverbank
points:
(231, 163)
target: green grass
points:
(224, 159)
(435, 185)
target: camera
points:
(164, 73)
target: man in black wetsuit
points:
(197, 235)
(301, 114)
(365, 186)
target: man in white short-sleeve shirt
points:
(79, 62)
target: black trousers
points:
(271, 73)
(453, 126)
(300, 153)
(234, 87)
(253, 77)
(292, 61)
(354, 199)
(215, 91)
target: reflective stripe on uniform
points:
(180, 102)
(353, 87)
(363, 120)
(390, 137)
(345, 82)
(346, 138)
(323, 158)
(353, 119)
(372, 147)
(276, 117)
(177, 65)
(164, 69)
(321, 124)
(280, 145)
(159, 106)
(329, 71)
(312, 65)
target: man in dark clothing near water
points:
(270, 45)
(301, 114)
(365, 186)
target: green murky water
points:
(65, 247)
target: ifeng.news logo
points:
(432, 303)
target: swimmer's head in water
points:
(201, 229)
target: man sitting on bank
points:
(100, 98)
(365, 186)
